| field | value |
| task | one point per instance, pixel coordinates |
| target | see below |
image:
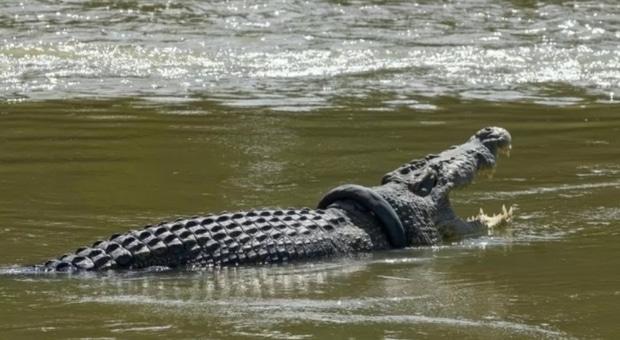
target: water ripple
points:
(311, 55)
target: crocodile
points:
(411, 207)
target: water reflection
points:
(404, 292)
(76, 171)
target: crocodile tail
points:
(250, 237)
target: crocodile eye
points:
(425, 185)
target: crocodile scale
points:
(252, 237)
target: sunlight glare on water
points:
(310, 55)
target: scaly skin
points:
(412, 203)
(266, 236)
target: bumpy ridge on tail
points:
(267, 236)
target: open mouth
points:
(505, 216)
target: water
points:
(296, 55)
(118, 114)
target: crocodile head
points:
(457, 166)
(432, 178)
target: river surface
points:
(117, 114)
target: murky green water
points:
(118, 114)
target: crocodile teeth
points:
(505, 216)
(506, 150)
